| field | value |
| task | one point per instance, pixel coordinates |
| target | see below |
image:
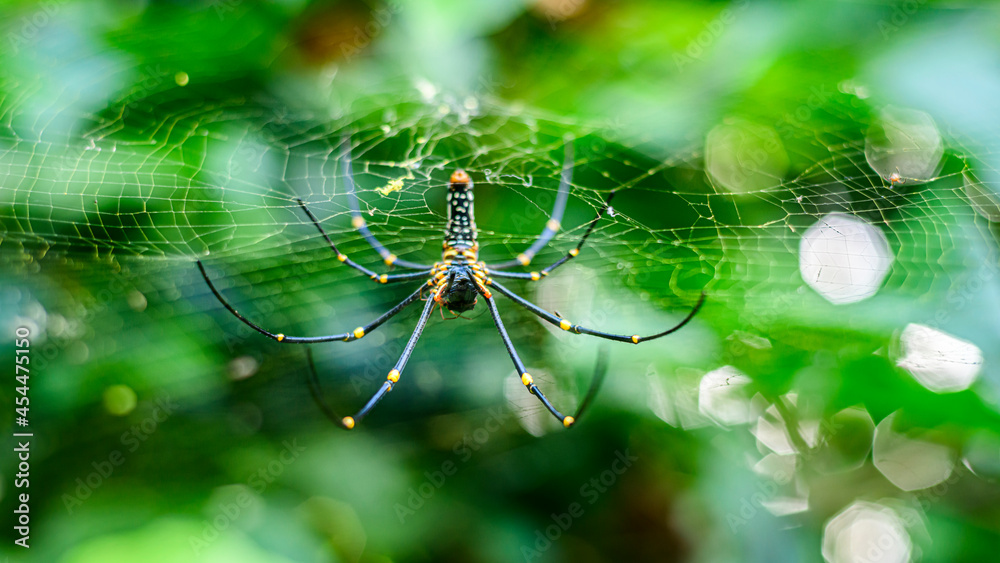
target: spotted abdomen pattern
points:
(461, 231)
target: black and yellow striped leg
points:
(577, 329)
(535, 276)
(526, 378)
(555, 220)
(345, 337)
(358, 220)
(381, 278)
(408, 276)
(349, 421)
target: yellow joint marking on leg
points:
(348, 422)
(526, 379)
(574, 251)
(384, 278)
(280, 337)
(565, 325)
(358, 222)
(393, 375)
(553, 224)
(390, 259)
(524, 259)
(437, 294)
(568, 421)
(342, 257)
(635, 339)
(359, 332)
(535, 276)
(486, 292)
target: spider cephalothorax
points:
(459, 279)
(460, 291)
(455, 282)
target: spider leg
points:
(535, 276)
(343, 257)
(553, 224)
(526, 378)
(312, 379)
(600, 371)
(358, 220)
(577, 329)
(345, 337)
(348, 422)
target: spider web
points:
(157, 179)
(179, 176)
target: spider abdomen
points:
(461, 230)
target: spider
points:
(895, 178)
(456, 282)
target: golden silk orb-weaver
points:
(455, 282)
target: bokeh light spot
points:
(937, 360)
(905, 142)
(844, 258)
(910, 464)
(866, 531)
(723, 397)
(119, 400)
(745, 157)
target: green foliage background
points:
(137, 136)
